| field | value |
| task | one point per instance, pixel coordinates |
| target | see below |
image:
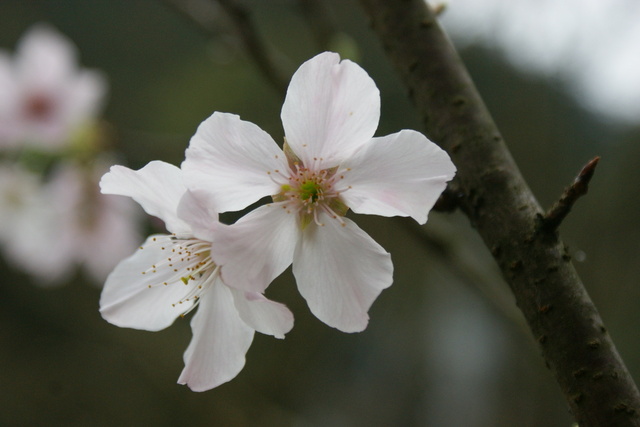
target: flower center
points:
(187, 263)
(307, 192)
(39, 107)
(310, 190)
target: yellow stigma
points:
(310, 189)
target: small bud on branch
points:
(558, 212)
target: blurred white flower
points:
(170, 274)
(20, 194)
(330, 163)
(44, 97)
(65, 223)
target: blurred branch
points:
(438, 8)
(448, 254)
(558, 212)
(200, 13)
(574, 342)
(448, 201)
(315, 13)
(253, 44)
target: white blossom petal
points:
(40, 245)
(45, 57)
(203, 219)
(229, 160)
(257, 248)
(331, 109)
(114, 235)
(340, 271)
(9, 93)
(216, 353)
(7, 84)
(157, 187)
(400, 174)
(263, 315)
(85, 95)
(128, 301)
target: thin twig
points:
(241, 19)
(196, 15)
(559, 211)
(321, 26)
(254, 46)
(483, 282)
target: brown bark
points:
(500, 205)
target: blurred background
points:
(446, 345)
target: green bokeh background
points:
(445, 345)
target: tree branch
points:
(498, 202)
(558, 212)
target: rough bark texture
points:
(499, 204)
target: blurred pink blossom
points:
(66, 223)
(44, 96)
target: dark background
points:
(446, 345)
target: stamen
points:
(194, 268)
(334, 215)
(315, 218)
(197, 291)
(278, 177)
(309, 188)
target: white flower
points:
(330, 163)
(66, 213)
(171, 274)
(44, 97)
(20, 193)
